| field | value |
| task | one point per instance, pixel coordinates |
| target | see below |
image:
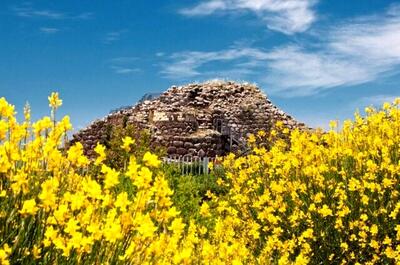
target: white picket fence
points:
(193, 165)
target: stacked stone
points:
(182, 119)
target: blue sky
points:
(317, 60)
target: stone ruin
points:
(201, 119)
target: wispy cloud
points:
(28, 11)
(84, 16)
(359, 51)
(124, 70)
(294, 71)
(114, 36)
(356, 52)
(287, 16)
(188, 64)
(124, 65)
(48, 30)
(124, 60)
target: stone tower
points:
(202, 119)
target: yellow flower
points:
(61, 213)
(325, 211)
(151, 160)
(205, 209)
(374, 229)
(126, 143)
(112, 232)
(6, 109)
(4, 253)
(387, 241)
(254, 227)
(94, 230)
(202, 230)
(172, 212)
(333, 124)
(390, 253)
(27, 112)
(386, 106)
(36, 251)
(144, 178)
(279, 124)
(318, 197)
(251, 139)
(122, 201)
(100, 150)
(72, 226)
(308, 233)
(364, 217)
(344, 246)
(3, 129)
(50, 235)
(65, 124)
(76, 156)
(374, 244)
(48, 195)
(183, 256)
(261, 133)
(146, 227)
(301, 260)
(177, 226)
(29, 207)
(54, 101)
(111, 177)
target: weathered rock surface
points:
(196, 119)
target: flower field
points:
(309, 198)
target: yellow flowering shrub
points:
(319, 197)
(54, 211)
(308, 197)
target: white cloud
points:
(356, 52)
(114, 36)
(48, 30)
(360, 51)
(124, 65)
(187, 64)
(124, 70)
(287, 16)
(288, 71)
(292, 71)
(84, 16)
(124, 60)
(28, 11)
(377, 39)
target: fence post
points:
(198, 165)
(191, 165)
(184, 165)
(187, 165)
(206, 165)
